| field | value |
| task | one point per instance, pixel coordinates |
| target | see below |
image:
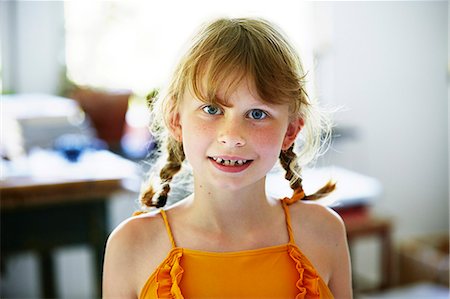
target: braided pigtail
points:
(153, 197)
(288, 160)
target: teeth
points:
(229, 162)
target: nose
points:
(231, 134)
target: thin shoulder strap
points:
(169, 231)
(288, 221)
(299, 194)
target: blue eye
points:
(257, 114)
(213, 110)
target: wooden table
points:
(59, 204)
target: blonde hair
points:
(251, 49)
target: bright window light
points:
(136, 44)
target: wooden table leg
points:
(99, 235)
(47, 269)
(386, 259)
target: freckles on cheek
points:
(196, 132)
(267, 138)
(201, 128)
(192, 126)
(268, 144)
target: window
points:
(136, 44)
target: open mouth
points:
(225, 162)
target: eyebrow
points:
(227, 104)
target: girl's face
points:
(235, 146)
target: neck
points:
(231, 211)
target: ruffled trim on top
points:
(169, 276)
(308, 281)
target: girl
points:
(236, 104)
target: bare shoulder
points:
(133, 251)
(136, 232)
(318, 219)
(320, 233)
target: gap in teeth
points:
(229, 162)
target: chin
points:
(234, 184)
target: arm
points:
(325, 244)
(340, 282)
(118, 265)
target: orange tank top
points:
(272, 272)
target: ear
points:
(174, 123)
(294, 127)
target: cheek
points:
(268, 139)
(196, 137)
(197, 130)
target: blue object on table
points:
(71, 146)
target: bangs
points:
(214, 84)
(230, 51)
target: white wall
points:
(32, 45)
(388, 65)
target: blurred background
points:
(74, 137)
